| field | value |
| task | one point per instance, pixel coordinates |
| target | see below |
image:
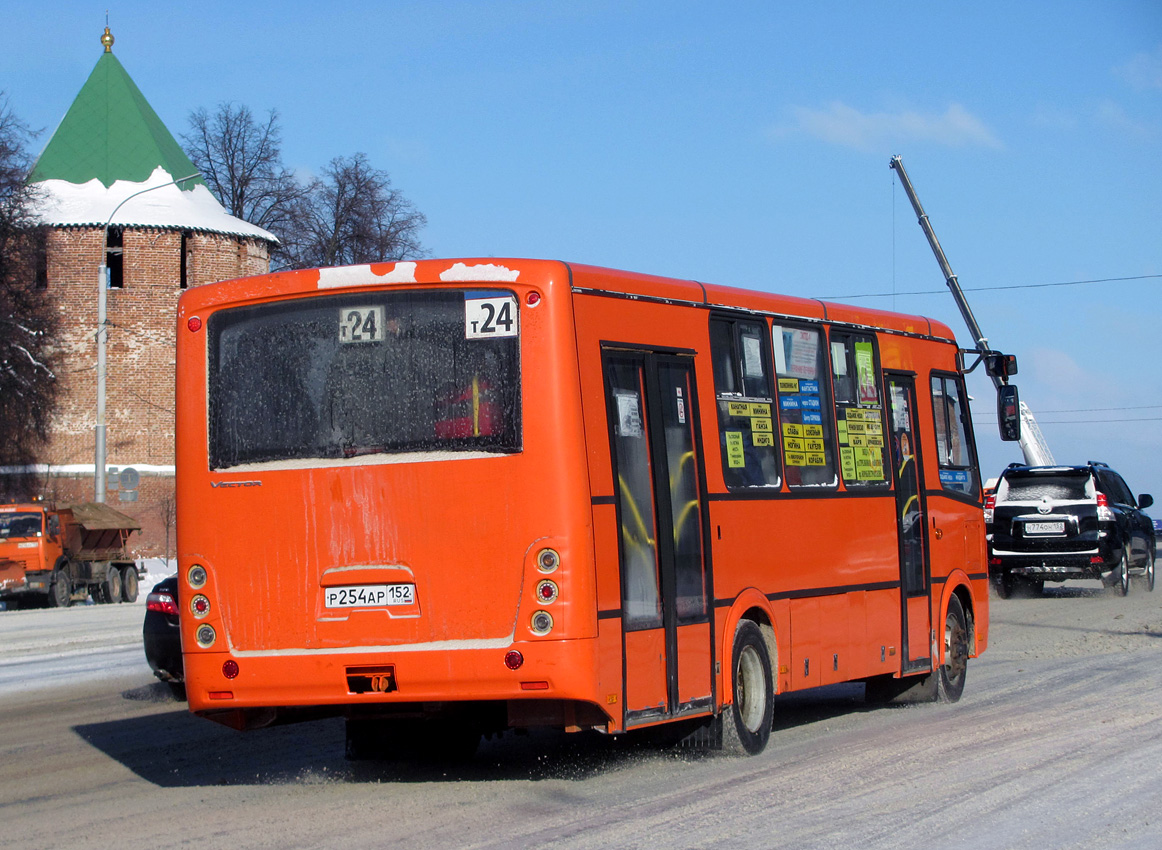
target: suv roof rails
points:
(1098, 463)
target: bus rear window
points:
(372, 373)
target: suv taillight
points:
(1104, 514)
(990, 502)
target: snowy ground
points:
(58, 646)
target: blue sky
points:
(736, 143)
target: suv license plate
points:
(1045, 528)
(369, 595)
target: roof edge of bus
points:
(578, 275)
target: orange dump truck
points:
(65, 553)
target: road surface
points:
(1056, 744)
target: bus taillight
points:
(548, 560)
(513, 659)
(547, 591)
(542, 623)
(230, 668)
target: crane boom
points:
(1032, 442)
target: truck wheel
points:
(129, 584)
(752, 712)
(60, 595)
(112, 585)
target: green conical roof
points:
(111, 133)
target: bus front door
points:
(911, 522)
(657, 468)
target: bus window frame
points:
(733, 321)
(826, 405)
(849, 336)
(973, 467)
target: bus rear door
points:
(658, 479)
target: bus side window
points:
(742, 384)
(801, 369)
(954, 445)
(859, 413)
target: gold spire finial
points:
(107, 40)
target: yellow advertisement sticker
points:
(734, 450)
(816, 459)
(738, 408)
(790, 429)
(796, 459)
(763, 439)
(788, 385)
(812, 430)
(759, 423)
(847, 462)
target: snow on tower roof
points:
(111, 144)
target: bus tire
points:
(112, 584)
(748, 727)
(951, 676)
(129, 584)
(60, 595)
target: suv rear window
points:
(1060, 486)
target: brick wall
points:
(139, 396)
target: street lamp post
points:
(102, 331)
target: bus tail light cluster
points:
(548, 561)
(200, 607)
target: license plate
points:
(369, 595)
(1045, 528)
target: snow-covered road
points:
(61, 646)
(1057, 743)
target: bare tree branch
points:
(28, 385)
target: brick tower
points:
(111, 190)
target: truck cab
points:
(60, 553)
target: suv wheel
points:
(1124, 575)
(1148, 573)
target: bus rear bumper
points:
(302, 685)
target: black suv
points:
(1052, 523)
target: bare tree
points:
(351, 215)
(241, 162)
(28, 384)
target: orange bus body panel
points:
(820, 570)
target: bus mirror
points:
(1009, 412)
(1000, 365)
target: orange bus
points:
(463, 496)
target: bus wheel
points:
(129, 584)
(61, 593)
(112, 584)
(950, 684)
(753, 709)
